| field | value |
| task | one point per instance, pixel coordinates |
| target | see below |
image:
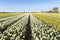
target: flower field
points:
(52, 19)
(30, 26)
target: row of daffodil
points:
(41, 31)
(15, 31)
(7, 21)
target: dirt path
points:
(28, 34)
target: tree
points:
(55, 9)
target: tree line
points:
(54, 10)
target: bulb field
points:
(52, 19)
(30, 26)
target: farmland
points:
(29, 26)
(52, 19)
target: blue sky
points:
(28, 5)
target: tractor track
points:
(28, 34)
